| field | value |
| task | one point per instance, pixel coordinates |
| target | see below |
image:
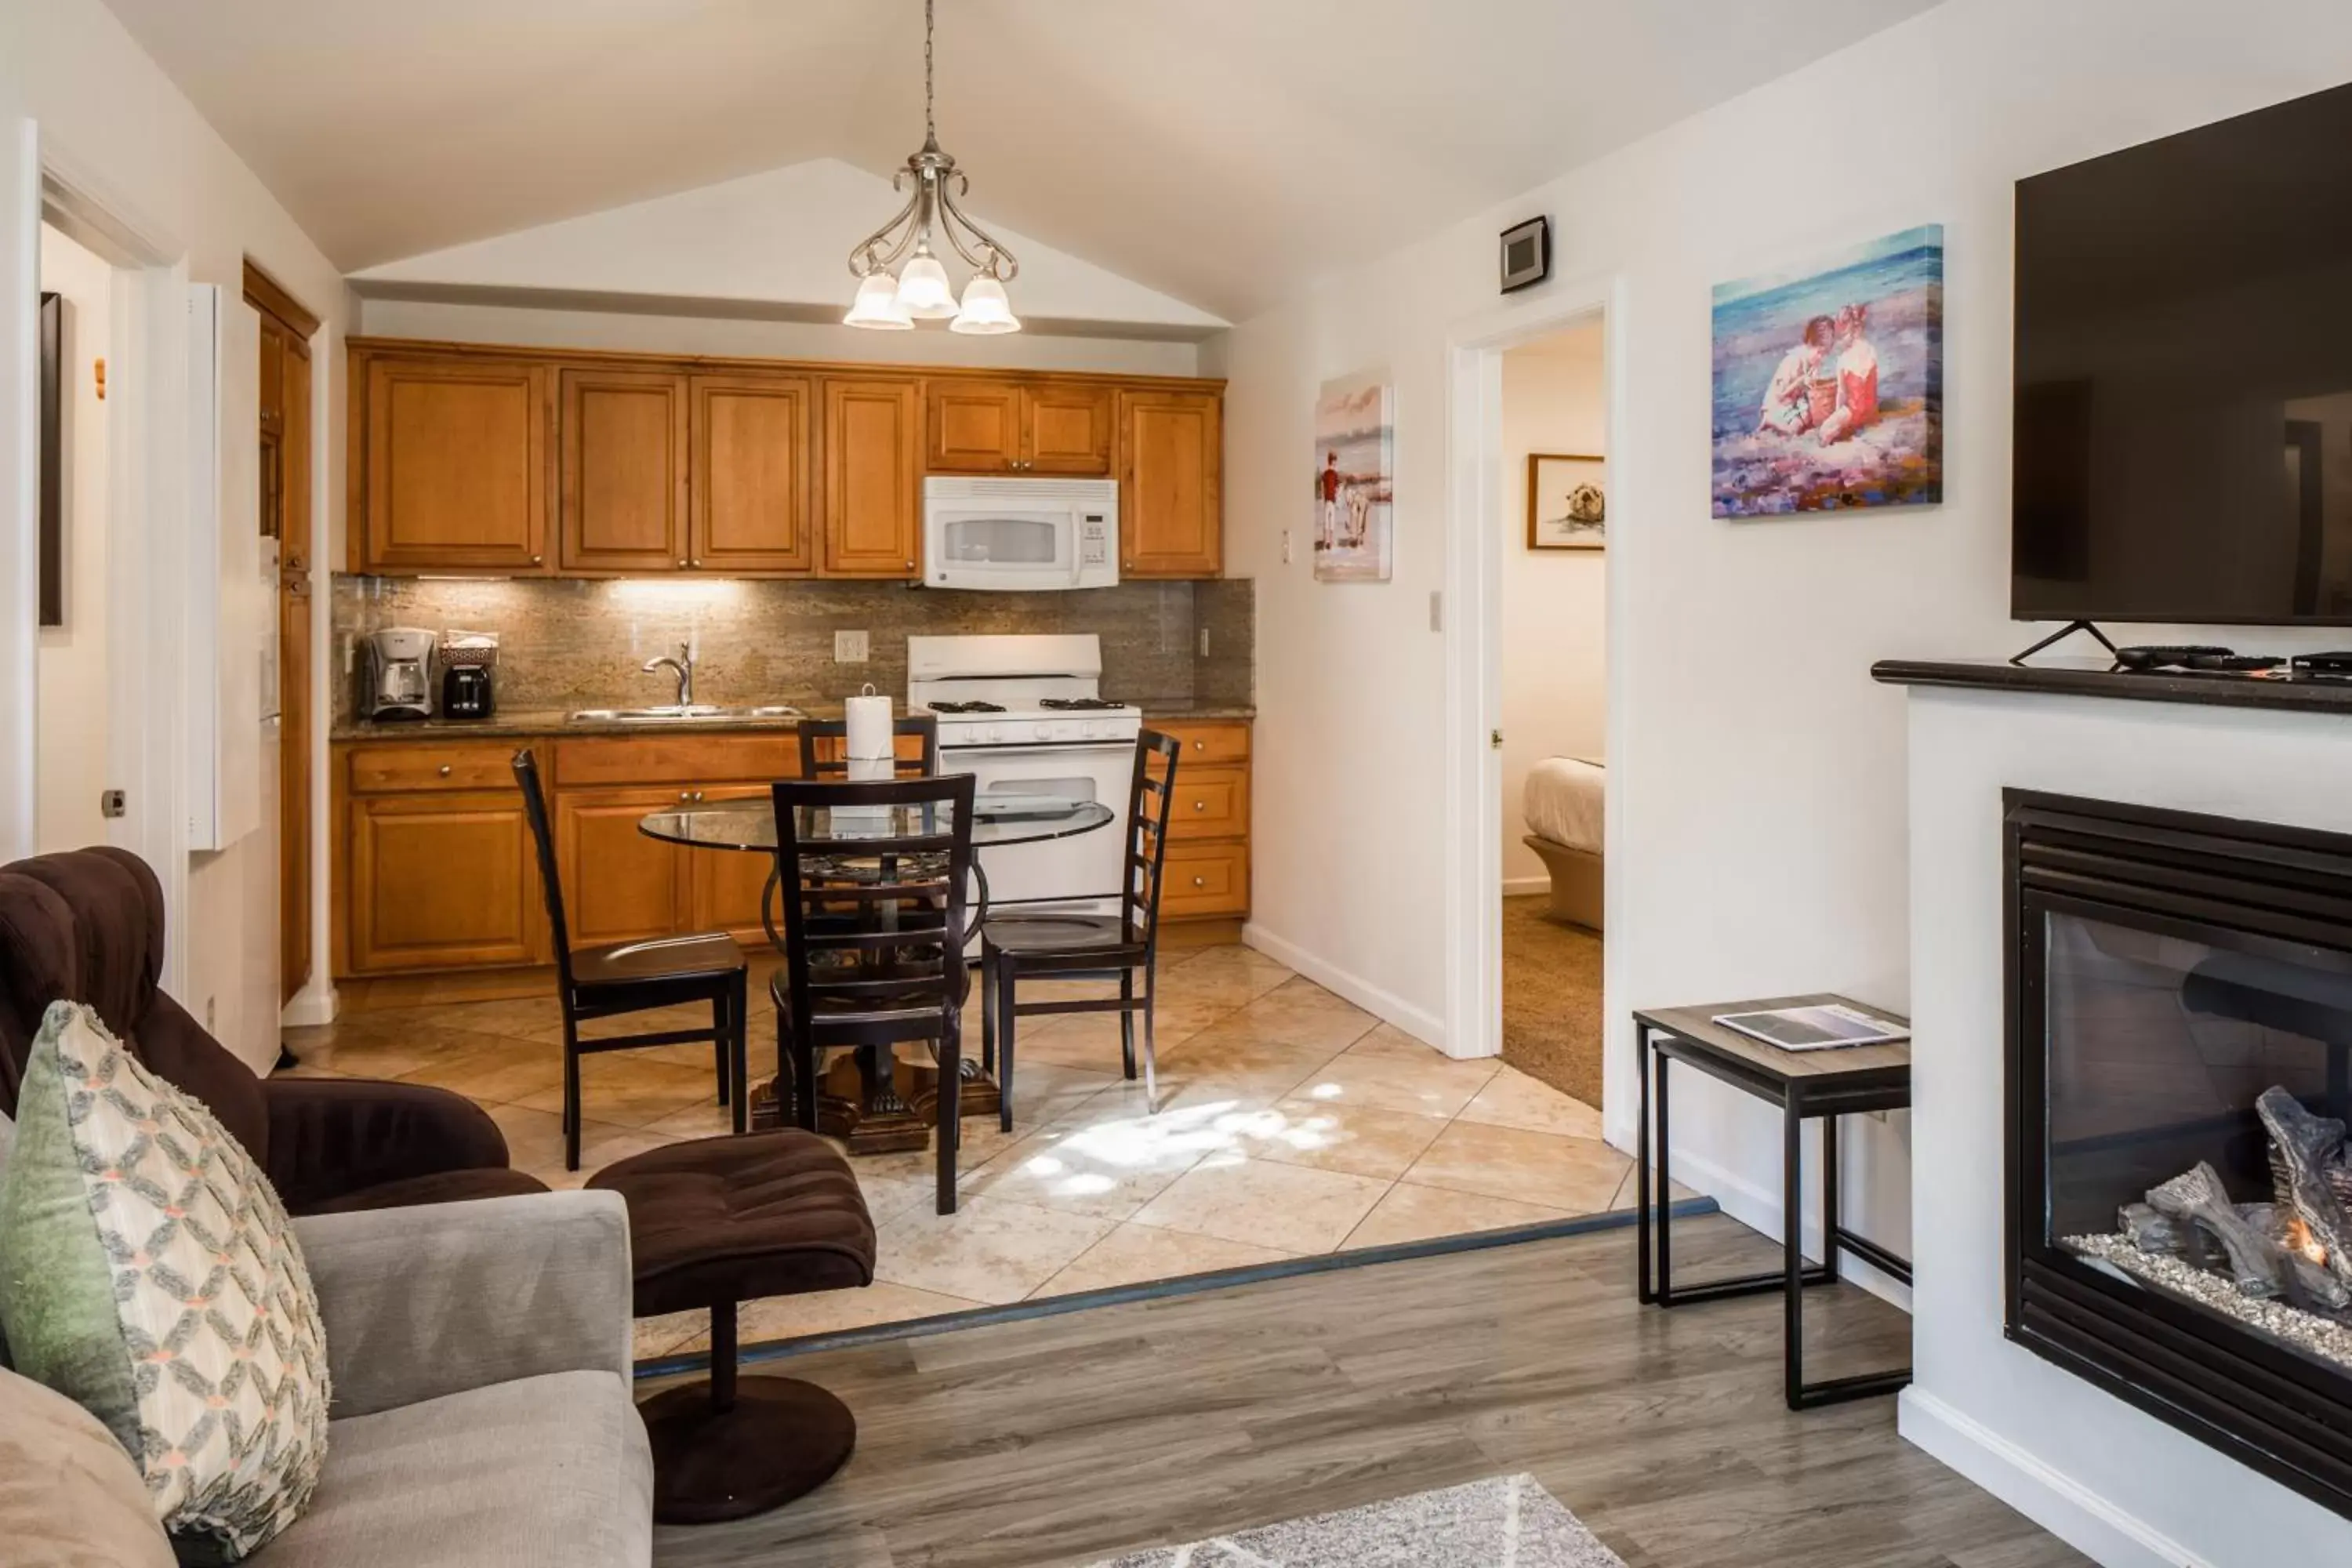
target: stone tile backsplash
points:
(578, 644)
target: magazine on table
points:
(1828, 1025)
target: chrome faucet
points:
(683, 665)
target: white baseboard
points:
(1422, 1024)
(1759, 1210)
(1516, 886)
(311, 1005)
(2057, 1503)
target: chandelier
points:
(892, 297)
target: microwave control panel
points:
(1094, 539)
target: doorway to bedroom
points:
(1553, 669)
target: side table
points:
(1829, 1084)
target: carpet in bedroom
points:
(1551, 998)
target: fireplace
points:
(2179, 1069)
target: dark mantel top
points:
(2085, 680)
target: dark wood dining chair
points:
(878, 959)
(1088, 947)
(825, 746)
(612, 982)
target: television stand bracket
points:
(2061, 634)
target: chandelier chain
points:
(930, 125)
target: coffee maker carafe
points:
(398, 690)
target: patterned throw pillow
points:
(148, 1271)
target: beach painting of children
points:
(1355, 472)
(1829, 382)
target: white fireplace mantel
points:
(2123, 1486)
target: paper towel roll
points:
(869, 726)
(871, 770)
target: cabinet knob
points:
(1200, 881)
(534, 560)
(698, 561)
(910, 566)
(1200, 806)
(685, 796)
(444, 770)
(1200, 745)
(681, 563)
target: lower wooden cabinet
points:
(441, 880)
(1207, 876)
(618, 884)
(723, 887)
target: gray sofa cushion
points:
(544, 1472)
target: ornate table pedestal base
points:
(870, 1114)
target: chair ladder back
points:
(1149, 805)
(535, 807)
(824, 747)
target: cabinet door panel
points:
(1204, 880)
(441, 882)
(456, 464)
(1069, 429)
(624, 448)
(751, 484)
(975, 426)
(726, 884)
(873, 492)
(618, 884)
(1171, 504)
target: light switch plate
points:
(849, 647)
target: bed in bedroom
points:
(1563, 808)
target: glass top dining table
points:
(751, 825)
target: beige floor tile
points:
(599, 1147)
(627, 1092)
(1090, 1040)
(651, 1338)
(521, 1016)
(773, 1318)
(1108, 1169)
(990, 1249)
(375, 1050)
(496, 1072)
(889, 1194)
(1580, 1176)
(1298, 1016)
(1139, 1254)
(708, 1119)
(1330, 1136)
(1512, 1098)
(1229, 964)
(1264, 1204)
(1044, 1092)
(1408, 1212)
(1428, 1084)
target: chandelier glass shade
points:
(901, 278)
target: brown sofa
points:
(88, 926)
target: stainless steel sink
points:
(673, 713)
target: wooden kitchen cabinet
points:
(724, 885)
(1171, 504)
(451, 473)
(1054, 427)
(618, 884)
(752, 487)
(623, 441)
(441, 879)
(873, 478)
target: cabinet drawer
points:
(1211, 803)
(677, 759)
(403, 766)
(1225, 741)
(1205, 879)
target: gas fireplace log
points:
(2199, 1195)
(2307, 1143)
(2151, 1232)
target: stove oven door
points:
(1078, 872)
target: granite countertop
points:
(531, 723)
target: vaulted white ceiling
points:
(1219, 150)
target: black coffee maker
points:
(466, 664)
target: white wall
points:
(115, 127)
(71, 741)
(1759, 842)
(19, 435)
(1554, 657)
(2120, 1485)
(638, 331)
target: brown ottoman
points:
(719, 1220)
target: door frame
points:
(1471, 619)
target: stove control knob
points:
(1041, 731)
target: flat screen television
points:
(2183, 408)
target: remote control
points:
(2233, 662)
(2164, 656)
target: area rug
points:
(1551, 998)
(1503, 1521)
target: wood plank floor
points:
(1067, 1439)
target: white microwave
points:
(1019, 534)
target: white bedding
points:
(1563, 802)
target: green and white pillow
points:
(148, 1272)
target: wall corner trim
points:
(1418, 1021)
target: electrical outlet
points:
(1436, 609)
(849, 647)
(1285, 547)
(211, 1020)
(1204, 642)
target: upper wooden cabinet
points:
(1171, 508)
(873, 478)
(1018, 427)
(624, 465)
(753, 461)
(454, 469)
(521, 462)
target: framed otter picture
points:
(1567, 502)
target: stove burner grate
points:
(973, 706)
(1080, 705)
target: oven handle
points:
(1040, 749)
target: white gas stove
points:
(1025, 715)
